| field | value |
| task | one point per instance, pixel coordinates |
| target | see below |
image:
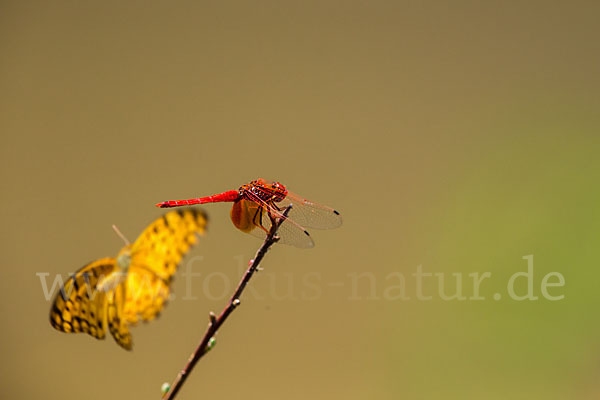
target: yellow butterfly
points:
(133, 286)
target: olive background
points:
(459, 136)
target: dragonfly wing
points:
(309, 214)
(290, 232)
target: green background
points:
(455, 135)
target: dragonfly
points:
(258, 203)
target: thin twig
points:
(216, 322)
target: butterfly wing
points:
(78, 306)
(155, 257)
(117, 324)
(146, 294)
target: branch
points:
(216, 322)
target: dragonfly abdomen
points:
(231, 195)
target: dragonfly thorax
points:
(265, 190)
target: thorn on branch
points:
(165, 387)
(211, 343)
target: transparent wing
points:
(290, 232)
(310, 214)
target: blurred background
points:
(456, 136)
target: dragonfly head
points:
(276, 191)
(280, 191)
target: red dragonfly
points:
(255, 203)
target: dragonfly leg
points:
(271, 216)
(259, 213)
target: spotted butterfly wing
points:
(155, 256)
(117, 324)
(78, 306)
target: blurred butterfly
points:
(118, 292)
